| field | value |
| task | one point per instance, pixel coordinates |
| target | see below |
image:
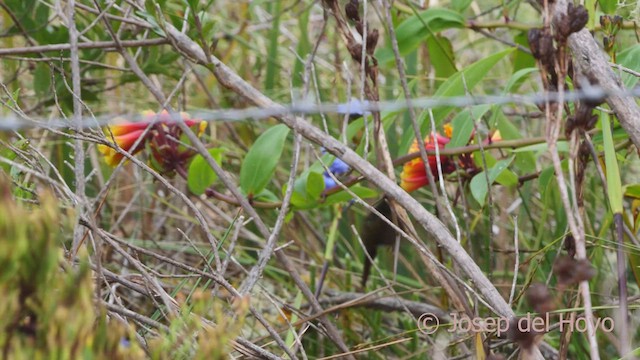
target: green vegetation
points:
(226, 149)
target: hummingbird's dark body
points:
(376, 232)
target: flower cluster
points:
(414, 174)
(157, 132)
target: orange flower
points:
(125, 136)
(126, 133)
(414, 174)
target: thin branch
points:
(78, 232)
(112, 45)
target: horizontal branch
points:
(84, 45)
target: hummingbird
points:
(376, 232)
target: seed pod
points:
(351, 9)
(526, 339)
(571, 271)
(540, 298)
(372, 41)
(579, 17)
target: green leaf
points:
(455, 86)
(517, 78)
(479, 186)
(629, 58)
(307, 189)
(546, 184)
(463, 125)
(42, 80)
(608, 6)
(414, 30)
(614, 185)
(525, 161)
(632, 191)
(200, 175)
(521, 59)
(261, 160)
(441, 56)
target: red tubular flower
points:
(126, 133)
(414, 174)
(125, 136)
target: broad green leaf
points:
(629, 58)
(42, 79)
(261, 160)
(632, 191)
(307, 189)
(524, 161)
(463, 125)
(479, 186)
(517, 78)
(521, 59)
(200, 175)
(415, 29)
(506, 178)
(614, 185)
(455, 86)
(608, 6)
(441, 56)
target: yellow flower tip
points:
(111, 157)
(124, 141)
(202, 127)
(496, 136)
(409, 186)
(103, 149)
(448, 130)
